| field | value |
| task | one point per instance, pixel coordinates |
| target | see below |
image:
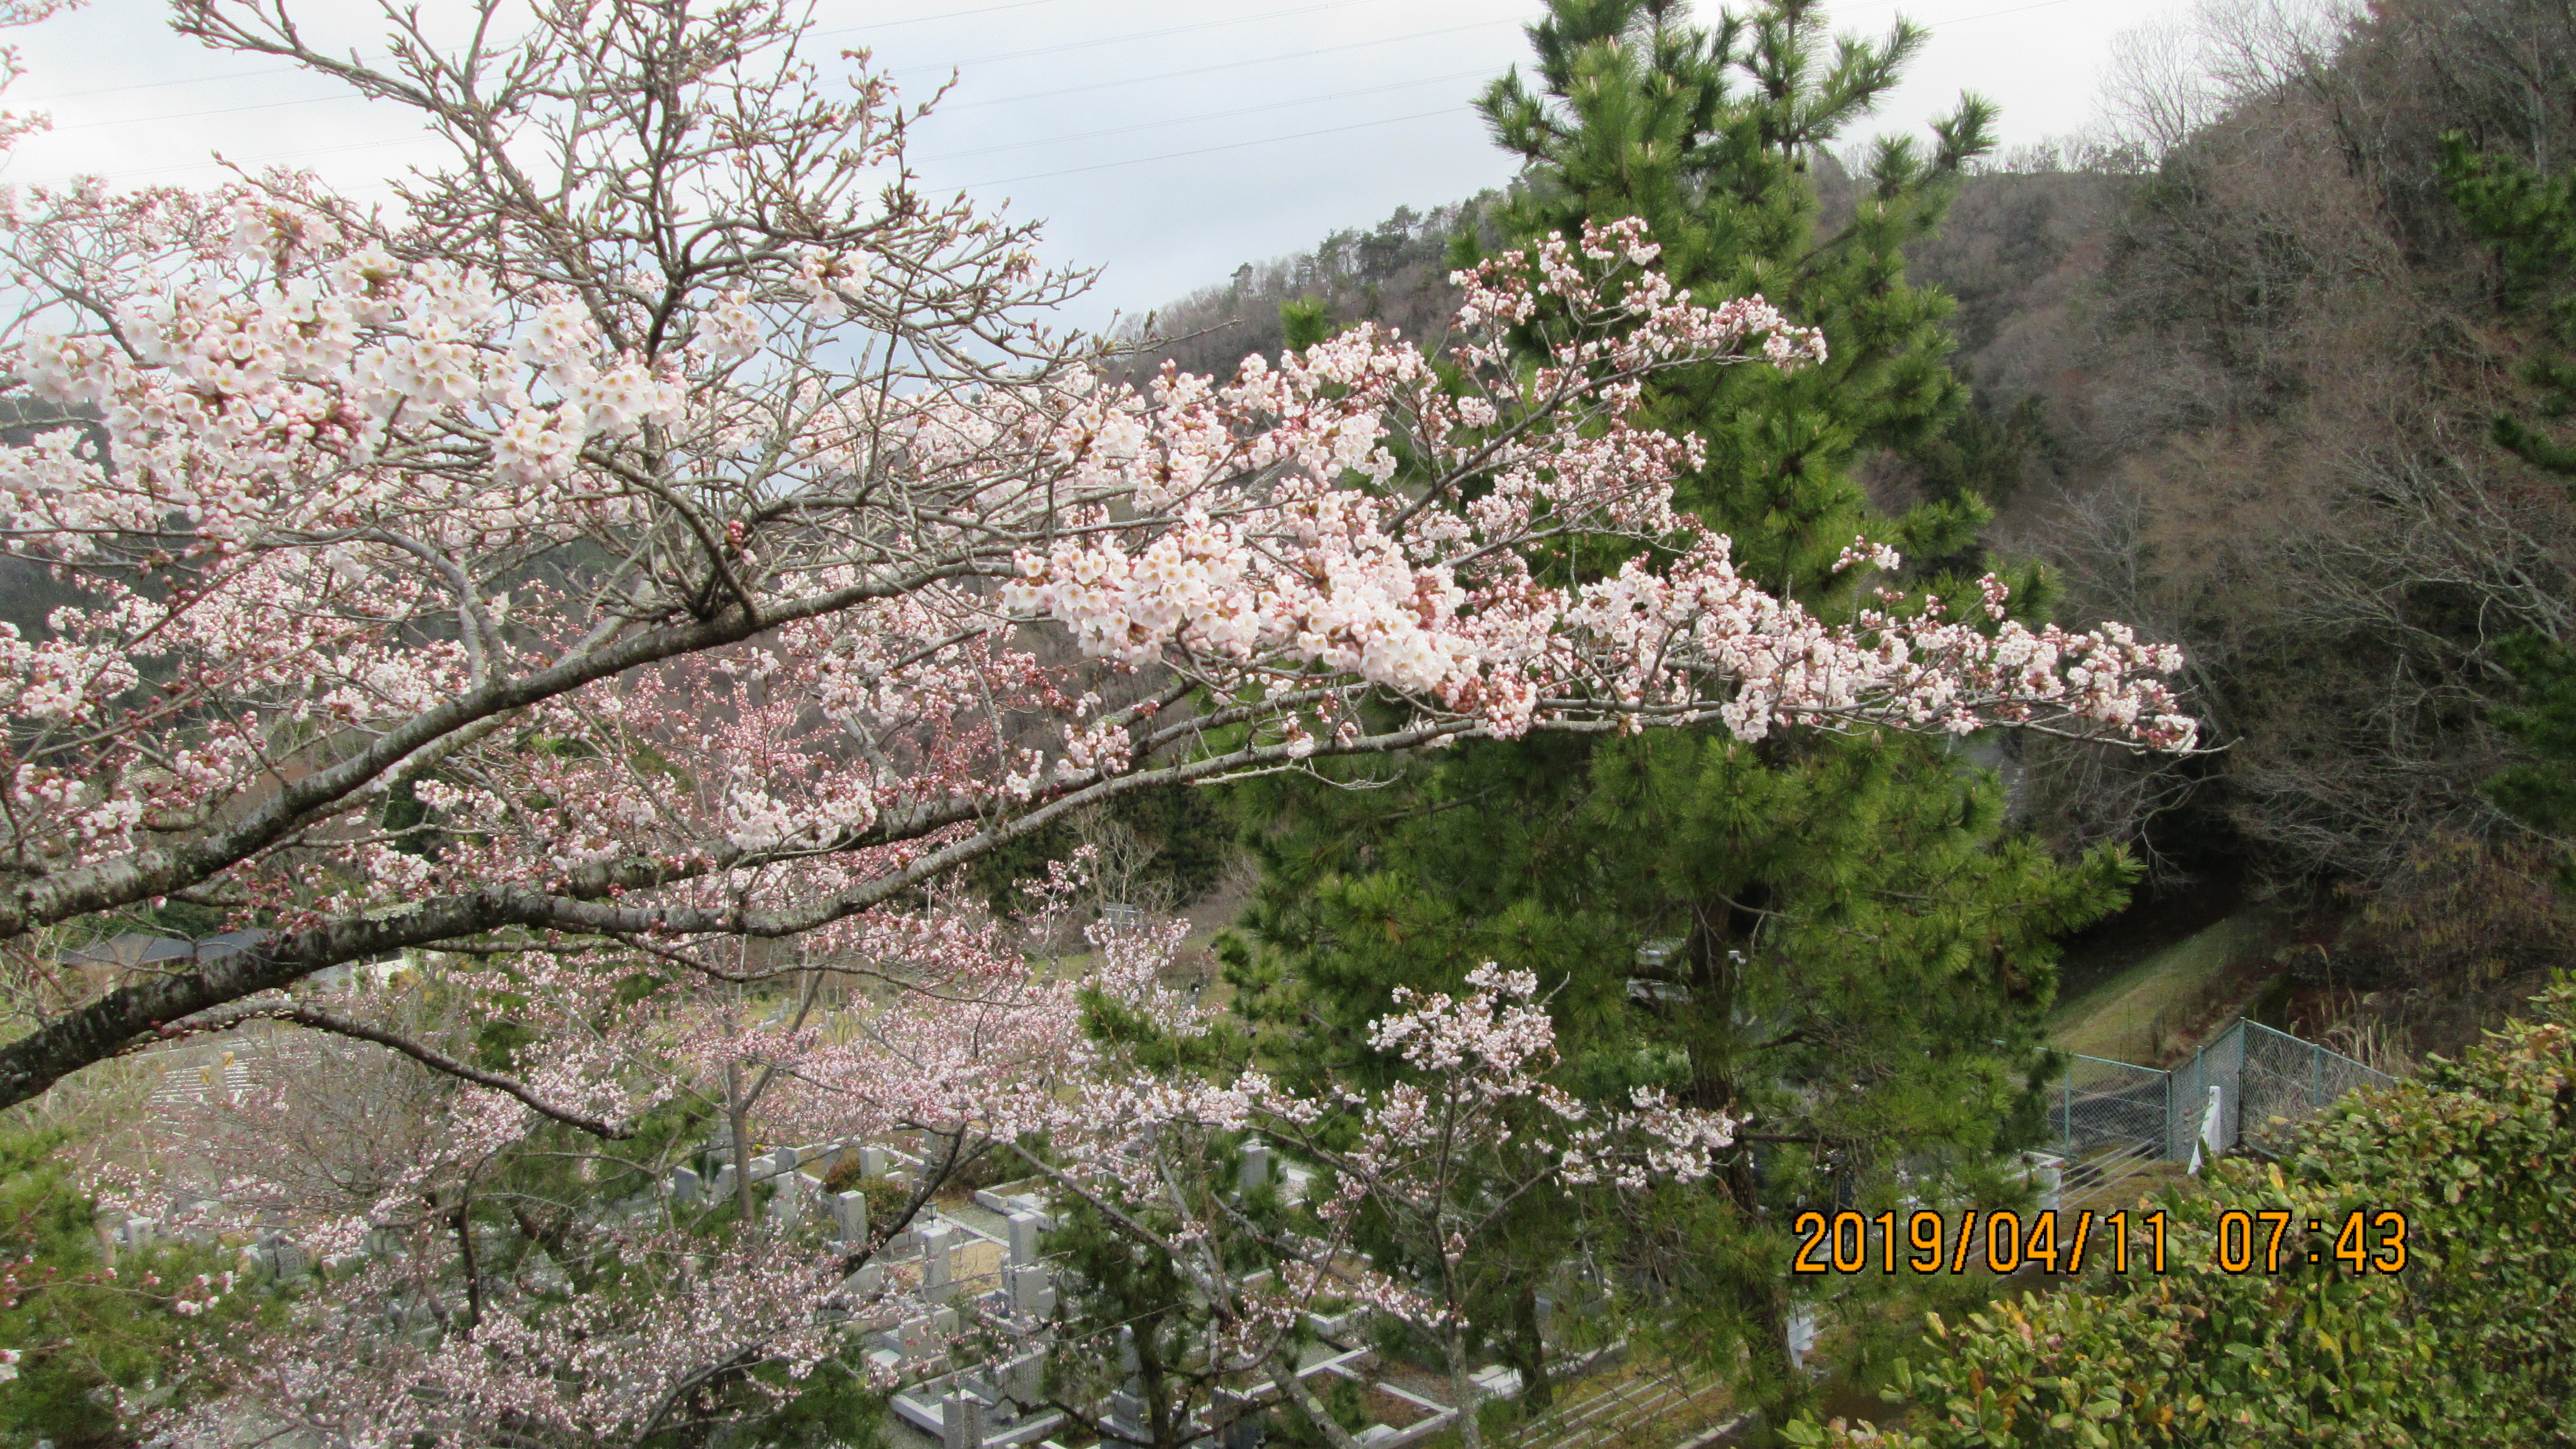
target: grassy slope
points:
(2120, 1018)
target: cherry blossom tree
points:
(642, 564)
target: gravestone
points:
(1130, 1415)
(282, 1258)
(1024, 1379)
(1802, 1334)
(937, 1269)
(795, 1189)
(1024, 1238)
(1256, 1166)
(1032, 1289)
(850, 1216)
(685, 1187)
(913, 1339)
(961, 1422)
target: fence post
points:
(2316, 1075)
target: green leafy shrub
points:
(2473, 1341)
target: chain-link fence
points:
(2105, 1106)
(2266, 1079)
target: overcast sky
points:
(1167, 141)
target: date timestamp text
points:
(2066, 1242)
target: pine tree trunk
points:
(1530, 1350)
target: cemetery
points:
(958, 1308)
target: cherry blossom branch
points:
(316, 1019)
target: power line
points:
(1211, 150)
(949, 108)
(958, 155)
(1211, 115)
(196, 115)
(1392, 120)
(1101, 40)
(1016, 4)
(1196, 70)
(1991, 14)
(288, 69)
(1940, 25)
(914, 20)
(221, 160)
(1118, 39)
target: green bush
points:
(2472, 1342)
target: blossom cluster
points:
(1279, 548)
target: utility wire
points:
(838, 30)
(1074, 45)
(945, 109)
(290, 69)
(1393, 120)
(891, 24)
(1198, 70)
(1149, 34)
(1450, 111)
(948, 156)
(1210, 115)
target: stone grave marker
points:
(850, 1216)
(937, 1268)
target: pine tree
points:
(2530, 219)
(1840, 937)
(1714, 136)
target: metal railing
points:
(2107, 1109)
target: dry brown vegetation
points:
(2270, 402)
